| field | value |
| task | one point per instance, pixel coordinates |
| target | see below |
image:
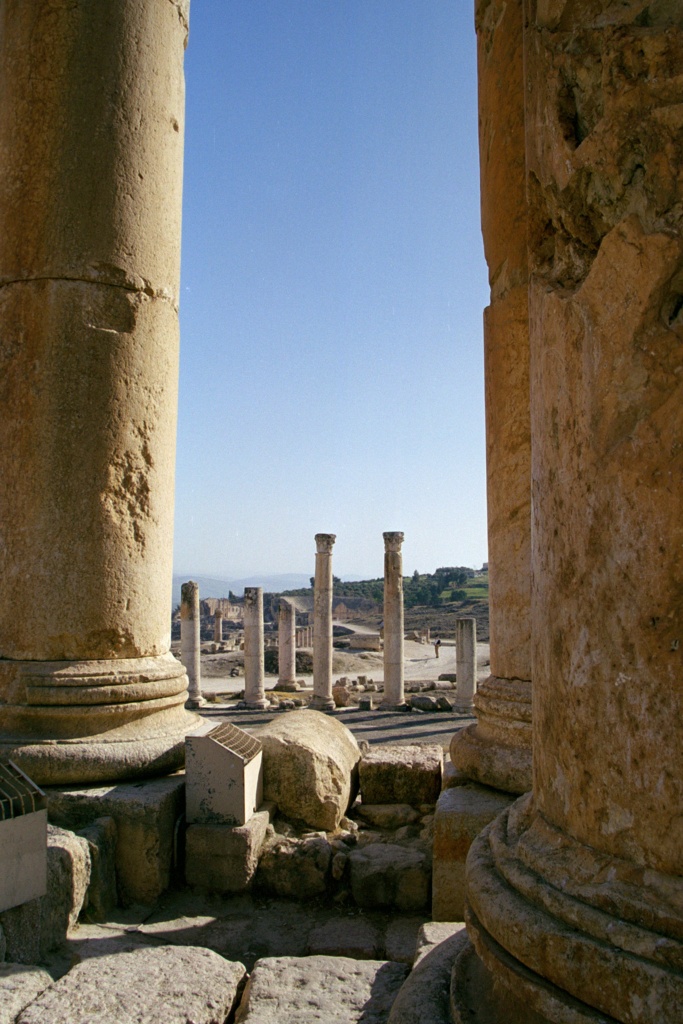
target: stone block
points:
(390, 816)
(19, 986)
(433, 933)
(387, 875)
(453, 776)
(295, 868)
(224, 858)
(423, 702)
(102, 895)
(173, 984)
(223, 775)
(68, 877)
(337, 990)
(39, 926)
(309, 762)
(145, 813)
(425, 996)
(461, 813)
(394, 774)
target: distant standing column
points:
(393, 621)
(254, 696)
(322, 624)
(286, 642)
(465, 663)
(218, 626)
(190, 642)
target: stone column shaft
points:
(322, 624)
(91, 134)
(575, 894)
(465, 662)
(394, 696)
(191, 642)
(287, 642)
(218, 626)
(497, 750)
(254, 672)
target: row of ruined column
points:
(321, 634)
(575, 895)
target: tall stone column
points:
(191, 642)
(575, 894)
(465, 662)
(286, 642)
(91, 135)
(218, 626)
(394, 696)
(322, 624)
(254, 672)
(497, 750)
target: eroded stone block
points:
(461, 813)
(224, 858)
(173, 984)
(402, 774)
(145, 813)
(387, 875)
(19, 986)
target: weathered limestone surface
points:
(394, 696)
(466, 662)
(401, 774)
(19, 986)
(337, 990)
(173, 984)
(102, 894)
(589, 870)
(286, 653)
(309, 767)
(388, 875)
(224, 858)
(145, 814)
(497, 750)
(295, 869)
(425, 995)
(461, 813)
(91, 131)
(34, 929)
(190, 642)
(354, 937)
(254, 670)
(322, 623)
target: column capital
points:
(251, 596)
(392, 541)
(324, 542)
(189, 600)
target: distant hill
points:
(212, 586)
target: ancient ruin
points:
(322, 623)
(394, 696)
(571, 892)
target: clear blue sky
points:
(333, 283)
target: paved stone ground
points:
(374, 726)
(245, 928)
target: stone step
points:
(317, 989)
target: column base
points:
(578, 935)
(389, 705)
(94, 721)
(497, 750)
(322, 704)
(195, 702)
(257, 705)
